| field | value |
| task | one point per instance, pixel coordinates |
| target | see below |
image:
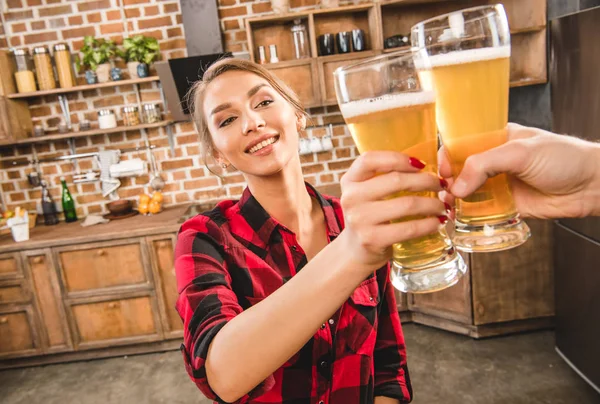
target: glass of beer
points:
(464, 56)
(386, 108)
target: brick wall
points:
(45, 22)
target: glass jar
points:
(131, 116)
(43, 68)
(24, 77)
(300, 39)
(107, 119)
(151, 113)
(64, 67)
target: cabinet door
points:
(162, 248)
(48, 299)
(302, 78)
(93, 267)
(10, 266)
(17, 332)
(13, 292)
(453, 303)
(113, 321)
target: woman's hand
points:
(373, 177)
(552, 175)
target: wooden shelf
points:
(399, 48)
(527, 30)
(84, 87)
(288, 63)
(346, 56)
(92, 132)
(527, 82)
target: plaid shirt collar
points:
(264, 225)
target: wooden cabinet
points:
(18, 335)
(162, 251)
(381, 20)
(10, 266)
(502, 292)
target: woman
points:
(283, 297)
(553, 176)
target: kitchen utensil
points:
(156, 182)
(119, 207)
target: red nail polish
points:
(448, 207)
(415, 162)
(443, 219)
(444, 183)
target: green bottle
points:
(68, 203)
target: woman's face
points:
(252, 126)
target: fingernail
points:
(443, 219)
(415, 162)
(448, 207)
(444, 183)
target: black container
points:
(358, 40)
(48, 207)
(344, 42)
(326, 44)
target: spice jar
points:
(24, 76)
(43, 68)
(151, 113)
(64, 68)
(107, 119)
(130, 116)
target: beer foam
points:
(386, 102)
(469, 56)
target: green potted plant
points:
(139, 52)
(97, 55)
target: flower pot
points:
(280, 6)
(132, 69)
(103, 72)
(142, 70)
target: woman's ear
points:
(300, 122)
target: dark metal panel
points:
(201, 27)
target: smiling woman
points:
(283, 296)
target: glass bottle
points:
(24, 76)
(48, 207)
(43, 68)
(68, 203)
(64, 67)
(300, 39)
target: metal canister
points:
(151, 113)
(131, 116)
(64, 67)
(43, 68)
(24, 76)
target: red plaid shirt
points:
(235, 256)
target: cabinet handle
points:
(113, 305)
(163, 244)
(38, 260)
(3, 320)
(101, 253)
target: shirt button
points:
(371, 298)
(321, 402)
(331, 321)
(324, 364)
(294, 248)
(323, 326)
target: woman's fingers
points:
(369, 164)
(444, 167)
(404, 231)
(387, 185)
(379, 212)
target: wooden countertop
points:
(42, 236)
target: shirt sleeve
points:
(391, 372)
(206, 300)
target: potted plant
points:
(97, 55)
(140, 51)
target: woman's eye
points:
(227, 121)
(265, 103)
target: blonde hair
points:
(195, 97)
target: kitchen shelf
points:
(92, 132)
(84, 87)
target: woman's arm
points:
(252, 345)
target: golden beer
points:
(472, 112)
(403, 123)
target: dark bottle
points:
(48, 206)
(68, 203)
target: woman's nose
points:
(253, 122)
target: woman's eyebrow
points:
(251, 92)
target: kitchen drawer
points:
(17, 336)
(114, 320)
(13, 293)
(10, 266)
(100, 267)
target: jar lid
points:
(104, 112)
(147, 107)
(40, 49)
(61, 47)
(130, 108)
(21, 52)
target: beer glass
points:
(464, 56)
(385, 108)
